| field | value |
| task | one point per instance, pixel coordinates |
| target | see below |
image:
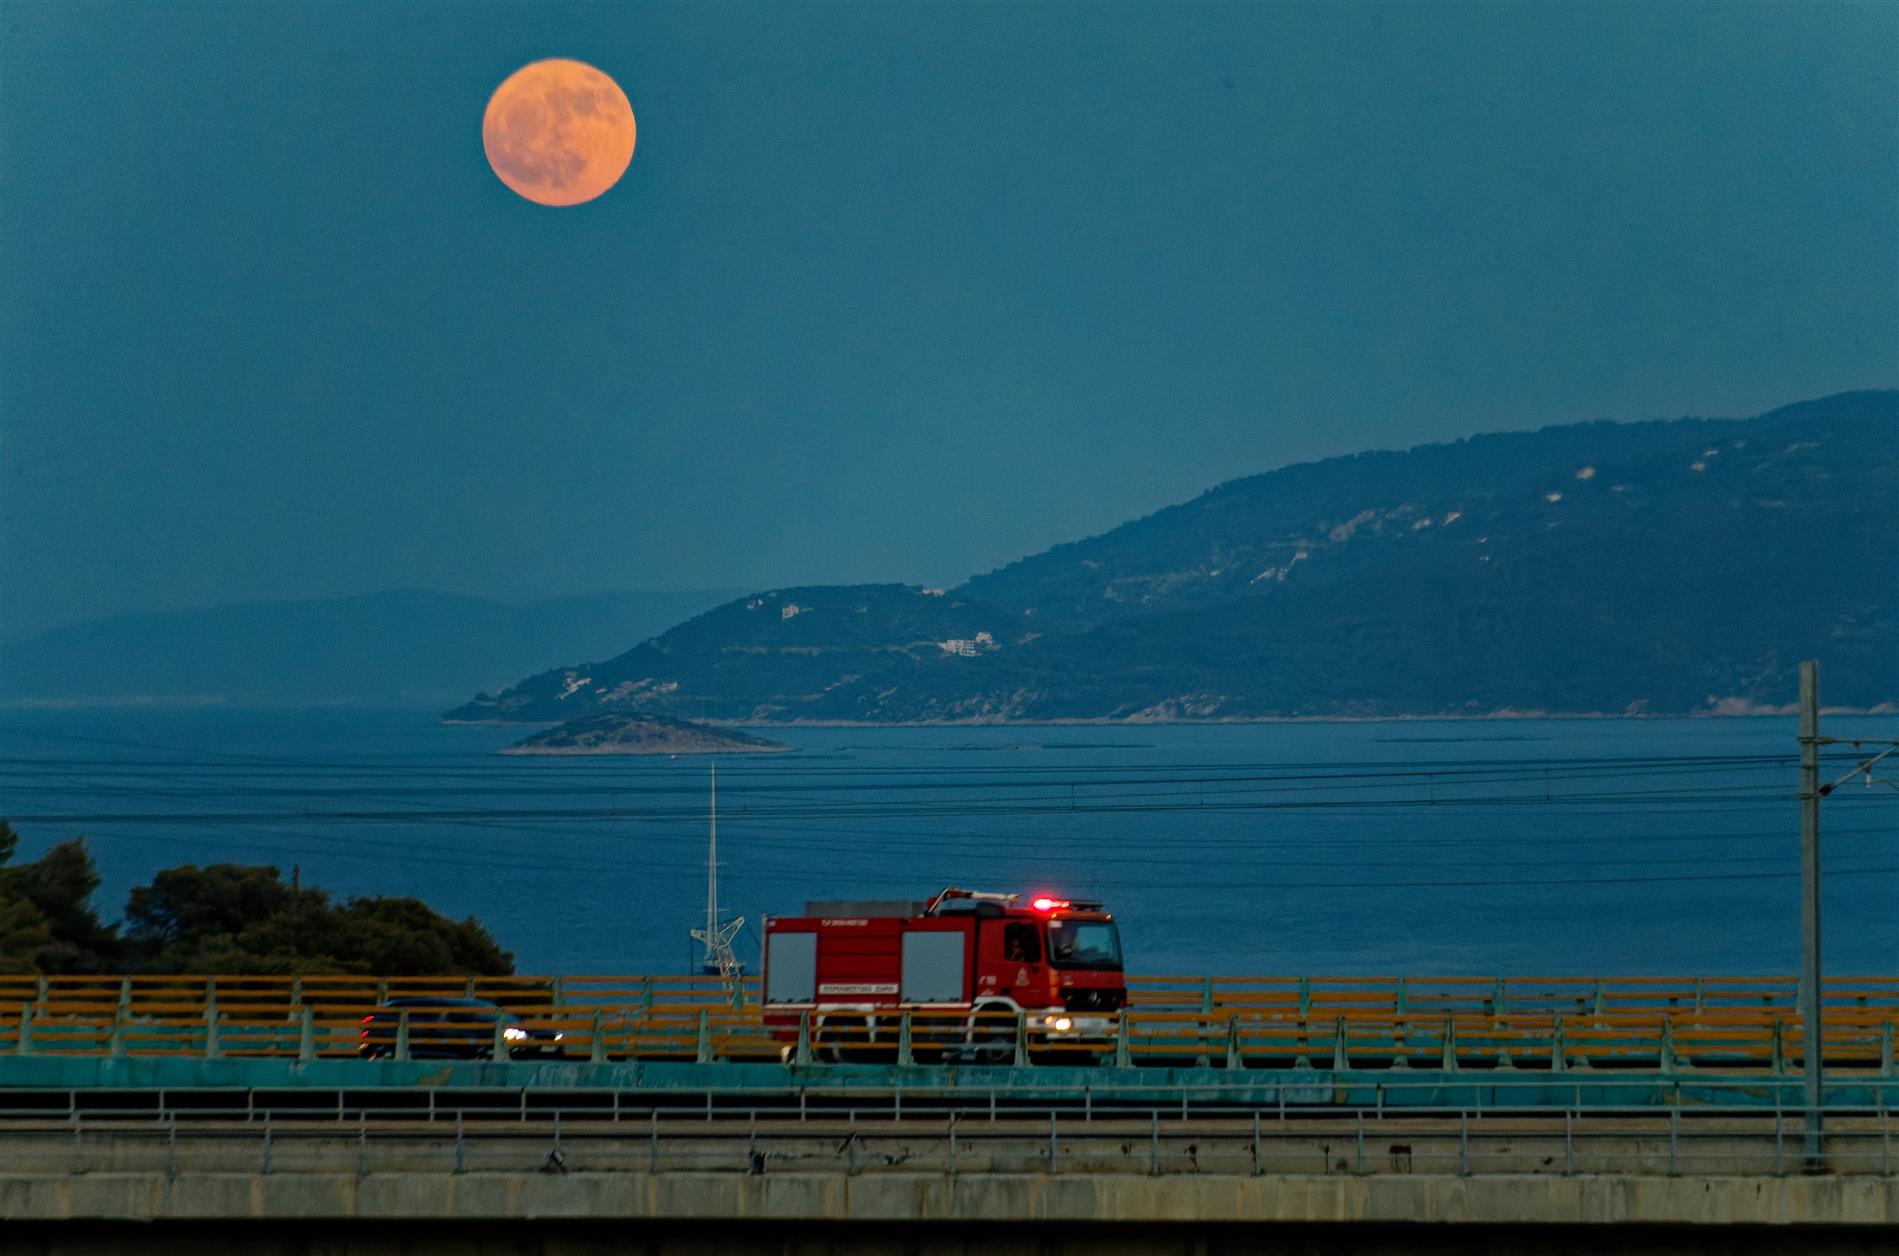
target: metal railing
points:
(1156, 1140)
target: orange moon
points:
(558, 132)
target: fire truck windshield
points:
(1083, 944)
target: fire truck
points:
(979, 974)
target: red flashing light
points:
(1044, 903)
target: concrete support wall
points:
(1024, 1238)
(935, 1199)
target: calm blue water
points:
(1524, 847)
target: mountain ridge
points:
(1668, 566)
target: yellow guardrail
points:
(1423, 1022)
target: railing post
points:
(382, 991)
(1206, 994)
(23, 1045)
(116, 1047)
(704, 1053)
(1668, 1044)
(1595, 1004)
(1777, 1062)
(557, 996)
(1557, 1049)
(1123, 1054)
(597, 1043)
(306, 1036)
(211, 1050)
(1450, 1045)
(1496, 999)
(905, 1057)
(1021, 1039)
(1341, 1061)
(1401, 998)
(1305, 999)
(296, 990)
(802, 1053)
(402, 1034)
(646, 995)
(1234, 1060)
(498, 1039)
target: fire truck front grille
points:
(1093, 1000)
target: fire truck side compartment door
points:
(791, 968)
(933, 966)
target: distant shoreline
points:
(1103, 722)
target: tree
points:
(50, 899)
(229, 918)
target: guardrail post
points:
(1557, 1049)
(597, 1044)
(646, 994)
(1206, 994)
(1123, 1053)
(1234, 1060)
(382, 991)
(704, 1053)
(211, 1050)
(402, 1034)
(1595, 1003)
(1401, 998)
(1450, 1045)
(116, 1046)
(1021, 1039)
(23, 1045)
(306, 1036)
(557, 995)
(1777, 1062)
(1340, 1060)
(498, 1039)
(296, 990)
(905, 1056)
(1698, 994)
(1496, 999)
(1668, 1064)
(801, 1055)
(1305, 999)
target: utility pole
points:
(1810, 1024)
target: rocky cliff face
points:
(1601, 568)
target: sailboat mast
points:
(712, 859)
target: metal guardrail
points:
(1673, 1141)
(1309, 998)
(1769, 1042)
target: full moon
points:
(558, 132)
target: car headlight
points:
(1060, 1024)
(514, 1033)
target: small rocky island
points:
(634, 733)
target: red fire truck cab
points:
(971, 967)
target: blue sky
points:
(890, 291)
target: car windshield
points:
(1083, 944)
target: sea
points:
(1525, 847)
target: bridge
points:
(1496, 1107)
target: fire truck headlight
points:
(1060, 1024)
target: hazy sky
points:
(891, 291)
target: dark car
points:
(458, 1029)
